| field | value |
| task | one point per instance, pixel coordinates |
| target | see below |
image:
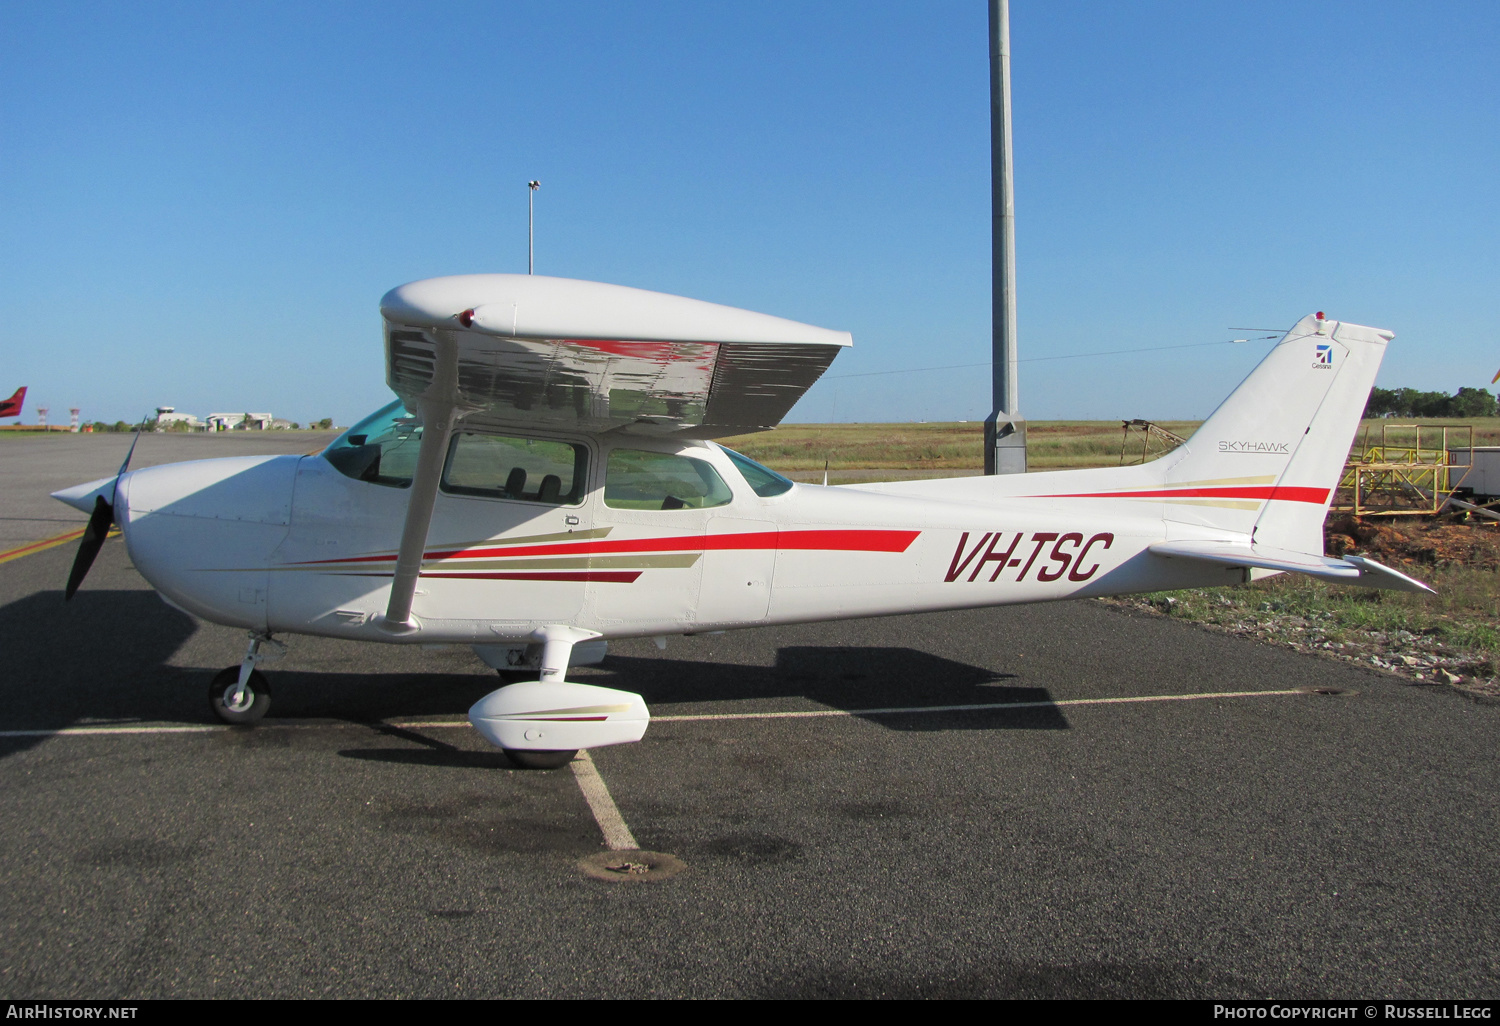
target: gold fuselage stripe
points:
(644, 561)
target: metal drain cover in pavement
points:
(627, 866)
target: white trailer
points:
(1479, 482)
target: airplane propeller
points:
(100, 521)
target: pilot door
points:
(510, 532)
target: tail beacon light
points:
(557, 716)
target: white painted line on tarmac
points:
(800, 714)
(617, 836)
(416, 724)
(78, 731)
(995, 706)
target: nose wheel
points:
(237, 705)
(241, 694)
(540, 760)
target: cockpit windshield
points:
(381, 449)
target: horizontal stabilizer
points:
(1356, 570)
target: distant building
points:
(166, 416)
(240, 421)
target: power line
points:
(909, 370)
(1039, 359)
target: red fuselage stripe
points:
(1284, 492)
(836, 541)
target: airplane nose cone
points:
(81, 497)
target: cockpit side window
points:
(639, 479)
(523, 469)
(381, 449)
(763, 481)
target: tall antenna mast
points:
(531, 226)
(1005, 428)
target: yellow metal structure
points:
(1411, 470)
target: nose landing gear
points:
(240, 705)
(542, 723)
(241, 694)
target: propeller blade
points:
(138, 429)
(100, 521)
(93, 540)
(129, 453)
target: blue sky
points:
(201, 204)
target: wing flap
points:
(1356, 570)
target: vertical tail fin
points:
(12, 407)
(1268, 460)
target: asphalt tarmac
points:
(357, 843)
(34, 466)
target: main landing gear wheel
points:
(252, 705)
(540, 760)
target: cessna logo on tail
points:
(1325, 358)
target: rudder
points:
(1268, 460)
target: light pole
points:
(531, 226)
(1005, 428)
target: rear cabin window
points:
(523, 469)
(637, 479)
(763, 481)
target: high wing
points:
(519, 349)
(537, 350)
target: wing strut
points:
(437, 406)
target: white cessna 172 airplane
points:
(544, 483)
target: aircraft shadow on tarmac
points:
(105, 657)
(849, 679)
(100, 657)
(841, 678)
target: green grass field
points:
(1051, 444)
(1450, 637)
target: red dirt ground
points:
(1413, 541)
